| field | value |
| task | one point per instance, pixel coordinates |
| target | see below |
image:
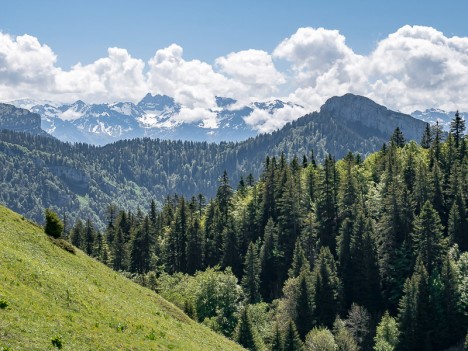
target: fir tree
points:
(89, 237)
(414, 311)
(457, 128)
(269, 258)
(277, 340)
(327, 289)
(327, 216)
(426, 140)
(304, 306)
(397, 138)
(299, 261)
(251, 278)
(141, 248)
(292, 341)
(194, 249)
(231, 257)
(245, 333)
(119, 252)
(427, 238)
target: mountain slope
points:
(51, 292)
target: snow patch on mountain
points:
(434, 115)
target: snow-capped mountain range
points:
(159, 116)
(433, 115)
(155, 116)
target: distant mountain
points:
(82, 179)
(433, 115)
(20, 120)
(155, 116)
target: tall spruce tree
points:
(245, 333)
(277, 339)
(457, 128)
(397, 138)
(414, 311)
(327, 288)
(269, 260)
(194, 247)
(304, 305)
(327, 215)
(428, 241)
(251, 277)
(141, 248)
(292, 341)
(89, 237)
(426, 139)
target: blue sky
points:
(406, 55)
(81, 31)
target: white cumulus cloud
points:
(415, 67)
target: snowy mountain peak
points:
(434, 115)
(224, 101)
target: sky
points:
(406, 55)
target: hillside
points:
(81, 180)
(51, 292)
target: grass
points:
(52, 297)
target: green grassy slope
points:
(51, 292)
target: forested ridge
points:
(76, 179)
(334, 255)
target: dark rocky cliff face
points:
(361, 110)
(20, 120)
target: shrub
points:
(54, 225)
(3, 304)
(63, 244)
(57, 341)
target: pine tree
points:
(327, 289)
(292, 341)
(141, 248)
(245, 333)
(77, 234)
(364, 273)
(299, 261)
(457, 225)
(231, 257)
(224, 197)
(451, 322)
(119, 252)
(414, 311)
(457, 128)
(269, 259)
(427, 238)
(397, 138)
(426, 140)
(89, 238)
(194, 249)
(345, 267)
(327, 216)
(304, 306)
(277, 341)
(251, 278)
(289, 218)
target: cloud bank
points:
(414, 68)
